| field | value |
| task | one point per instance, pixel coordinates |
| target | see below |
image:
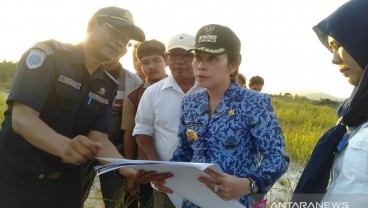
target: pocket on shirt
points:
(356, 157)
(67, 92)
(67, 99)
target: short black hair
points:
(150, 47)
(256, 80)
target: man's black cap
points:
(216, 39)
(121, 18)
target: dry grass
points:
(95, 197)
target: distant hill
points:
(314, 94)
(321, 95)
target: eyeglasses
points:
(187, 57)
(116, 32)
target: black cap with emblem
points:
(121, 18)
(216, 39)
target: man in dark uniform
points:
(59, 113)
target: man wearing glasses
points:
(113, 185)
(157, 118)
(59, 112)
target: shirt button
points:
(362, 143)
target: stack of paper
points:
(184, 182)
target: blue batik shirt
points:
(242, 127)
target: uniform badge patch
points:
(69, 81)
(194, 124)
(35, 59)
(96, 97)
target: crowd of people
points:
(70, 104)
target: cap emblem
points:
(209, 29)
(207, 38)
(128, 16)
(125, 16)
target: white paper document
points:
(184, 183)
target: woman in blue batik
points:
(229, 125)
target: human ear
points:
(232, 68)
(91, 24)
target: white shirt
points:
(128, 81)
(158, 115)
(349, 181)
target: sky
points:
(277, 39)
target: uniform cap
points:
(121, 18)
(216, 39)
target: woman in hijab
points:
(340, 158)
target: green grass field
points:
(302, 124)
(2, 107)
(301, 121)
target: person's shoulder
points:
(41, 51)
(258, 99)
(51, 46)
(252, 93)
(136, 90)
(132, 76)
(261, 95)
(254, 97)
(158, 85)
(194, 102)
(60, 46)
(132, 80)
(238, 91)
(195, 97)
(265, 95)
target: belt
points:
(40, 176)
(51, 176)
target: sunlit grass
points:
(2, 107)
(302, 125)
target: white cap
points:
(181, 40)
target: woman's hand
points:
(159, 182)
(159, 185)
(141, 176)
(225, 186)
(138, 176)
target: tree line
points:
(7, 71)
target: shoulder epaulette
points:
(111, 77)
(44, 47)
(62, 46)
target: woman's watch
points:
(252, 185)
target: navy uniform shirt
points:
(52, 78)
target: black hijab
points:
(348, 25)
